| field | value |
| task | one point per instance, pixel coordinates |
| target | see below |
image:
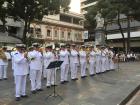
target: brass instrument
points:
(109, 56)
(2, 55)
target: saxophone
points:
(2, 55)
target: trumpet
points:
(3, 56)
(109, 55)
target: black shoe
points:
(92, 75)
(62, 82)
(74, 79)
(24, 96)
(48, 86)
(17, 99)
(34, 92)
(83, 76)
(54, 85)
(0, 79)
(44, 78)
(66, 81)
(5, 78)
(39, 90)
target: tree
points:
(111, 11)
(4, 8)
(30, 10)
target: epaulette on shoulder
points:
(15, 53)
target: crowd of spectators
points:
(128, 57)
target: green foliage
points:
(30, 10)
(110, 8)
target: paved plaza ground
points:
(110, 88)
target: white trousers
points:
(83, 68)
(45, 73)
(35, 77)
(51, 77)
(64, 72)
(111, 64)
(91, 68)
(107, 64)
(74, 70)
(3, 71)
(98, 65)
(20, 85)
(103, 64)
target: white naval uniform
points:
(4, 65)
(44, 67)
(111, 63)
(92, 59)
(48, 58)
(35, 69)
(98, 61)
(64, 56)
(12, 58)
(20, 73)
(74, 63)
(83, 62)
(103, 61)
(107, 60)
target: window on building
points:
(12, 30)
(76, 36)
(62, 34)
(38, 31)
(31, 31)
(55, 33)
(48, 33)
(69, 35)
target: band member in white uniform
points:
(64, 56)
(5, 56)
(98, 59)
(111, 63)
(83, 61)
(92, 59)
(103, 59)
(36, 63)
(12, 54)
(48, 58)
(20, 72)
(107, 59)
(74, 62)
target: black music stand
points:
(53, 65)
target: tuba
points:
(2, 55)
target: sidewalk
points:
(135, 100)
(110, 88)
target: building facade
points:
(63, 28)
(114, 37)
(85, 4)
(14, 31)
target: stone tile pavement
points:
(110, 88)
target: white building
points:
(85, 4)
(63, 28)
(13, 34)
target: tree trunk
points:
(121, 30)
(128, 34)
(25, 32)
(105, 27)
(3, 24)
